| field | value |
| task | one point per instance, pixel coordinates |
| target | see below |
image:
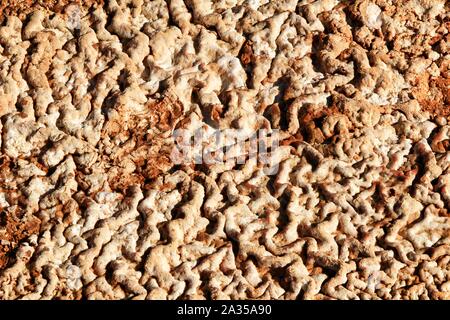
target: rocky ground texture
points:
(92, 206)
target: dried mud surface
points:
(92, 206)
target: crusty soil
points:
(17, 229)
(139, 157)
(22, 7)
(433, 93)
(14, 225)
